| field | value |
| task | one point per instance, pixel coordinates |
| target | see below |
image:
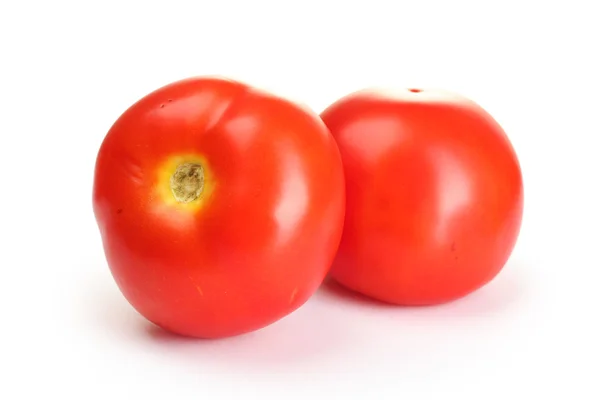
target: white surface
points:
(69, 69)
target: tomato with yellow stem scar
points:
(220, 206)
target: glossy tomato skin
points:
(434, 195)
(261, 237)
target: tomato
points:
(220, 206)
(434, 195)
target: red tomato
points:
(434, 195)
(220, 206)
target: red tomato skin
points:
(434, 195)
(264, 236)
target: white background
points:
(69, 69)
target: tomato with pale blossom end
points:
(434, 195)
